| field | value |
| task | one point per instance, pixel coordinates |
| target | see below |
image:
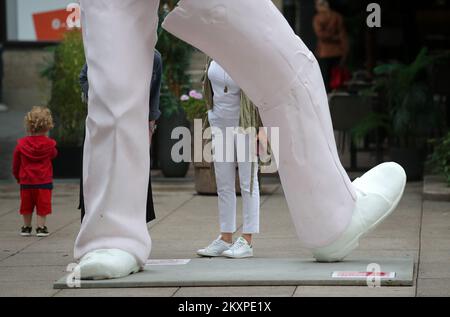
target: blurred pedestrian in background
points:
(332, 40)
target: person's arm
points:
(155, 89)
(16, 164)
(84, 83)
(54, 153)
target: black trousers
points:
(326, 65)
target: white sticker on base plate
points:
(164, 262)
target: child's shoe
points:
(25, 231)
(42, 231)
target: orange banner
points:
(51, 25)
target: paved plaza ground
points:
(186, 221)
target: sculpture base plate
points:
(259, 272)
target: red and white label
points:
(364, 275)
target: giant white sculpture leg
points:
(119, 37)
(255, 44)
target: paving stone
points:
(439, 287)
(353, 291)
(118, 292)
(243, 291)
(27, 289)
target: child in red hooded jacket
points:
(32, 167)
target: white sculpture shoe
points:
(379, 191)
(107, 264)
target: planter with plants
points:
(68, 110)
(195, 107)
(176, 56)
(410, 114)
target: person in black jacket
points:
(155, 113)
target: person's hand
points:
(263, 142)
(152, 128)
(84, 98)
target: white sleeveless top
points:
(227, 105)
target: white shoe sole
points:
(352, 245)
(207, 255)
(238, 256)
(42, 235)
(25, 234)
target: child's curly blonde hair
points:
(39, 120)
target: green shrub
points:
(439, 161)
(176, 56)
(68, 110)
(411, 111)
(409, 98)
(194, 105)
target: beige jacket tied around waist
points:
(248, 118)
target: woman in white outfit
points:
(230, 116)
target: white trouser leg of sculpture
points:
(119, 37)
(256, 46)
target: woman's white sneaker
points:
(216, 248)
(239, 250)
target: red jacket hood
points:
(36, 147)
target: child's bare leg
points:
(41, 221)
(27, 220)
